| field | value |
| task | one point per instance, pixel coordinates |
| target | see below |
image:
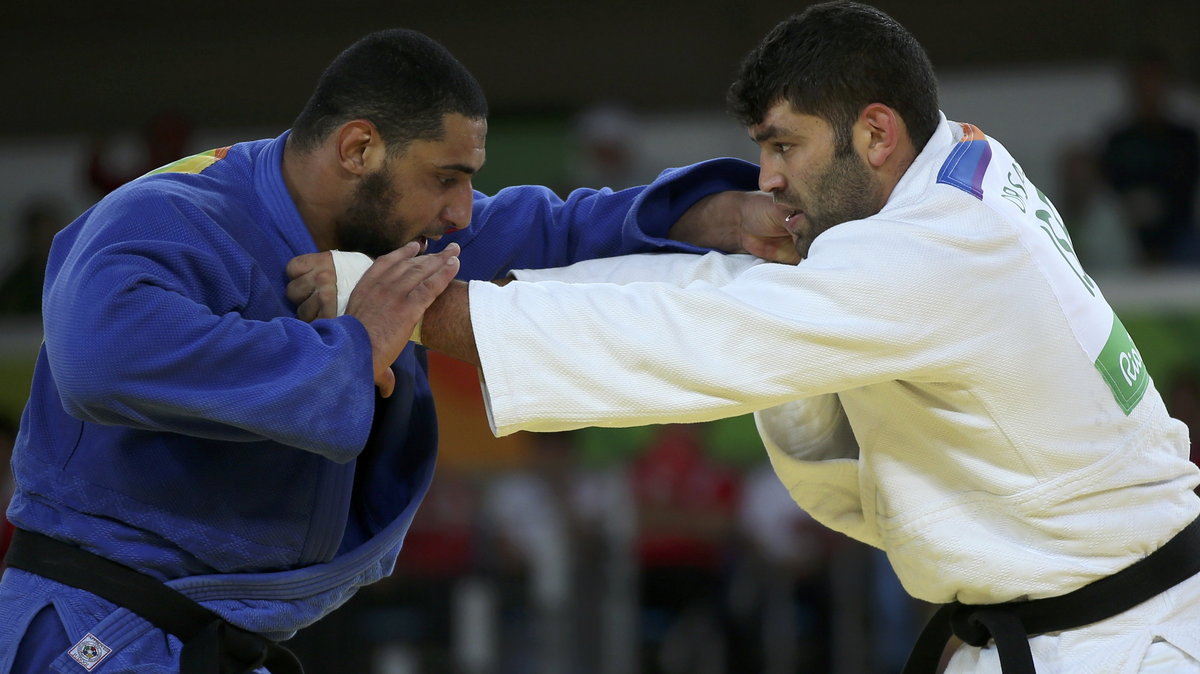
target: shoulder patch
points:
(193, 164)
(1121, 365)
(967, 163)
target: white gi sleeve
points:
(815, 456)
(678, 269)
(721, 339)
(714, 338)
(808, 439)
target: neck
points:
(310, 184)
(894, 169)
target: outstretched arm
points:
(738, 222)
(693, 209)
(321, 281)
(733, 222)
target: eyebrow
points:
(462, 168)
(768, 133)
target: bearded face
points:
(841, 190)
(369, 225)
(417, 194)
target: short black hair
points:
(834, 59)
(402, 81)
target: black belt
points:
(211, 645)
(1011, 624)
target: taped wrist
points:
(349, 268)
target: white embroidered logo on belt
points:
(89, 651)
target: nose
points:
(770, 178)
(457, 213)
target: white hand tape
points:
(349, 268)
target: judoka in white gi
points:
(939, 377)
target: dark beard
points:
(844, 191)
(364, 227)
(847, 191)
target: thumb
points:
(777, 249)
(386, 383)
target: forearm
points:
(447, 325)
(712, 222)
(529, 227)
(738, 222)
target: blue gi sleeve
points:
(531, 227)
(155, 321)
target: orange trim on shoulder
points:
(971, 132)
(195, 163)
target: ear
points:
(883, 131)
(360, 148)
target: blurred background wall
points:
(75, 72)
(1032, 73)
(86, 67)
(598, 94)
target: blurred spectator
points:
(532, 520)
(1152, 160)
(437, 569)
(686, 507)
(894, 618)
(1183, 402)
(606, 583)
(781, 594)
(1090, 211)
(408, 621)
(21, 289)
(607, 138)
(165, 138)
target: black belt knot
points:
(974, 625)
(1011, 624)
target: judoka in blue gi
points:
(186, 426)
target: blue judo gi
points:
(184, 423)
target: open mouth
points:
(792, 222)
(425, 240)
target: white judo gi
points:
(1004, 439)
